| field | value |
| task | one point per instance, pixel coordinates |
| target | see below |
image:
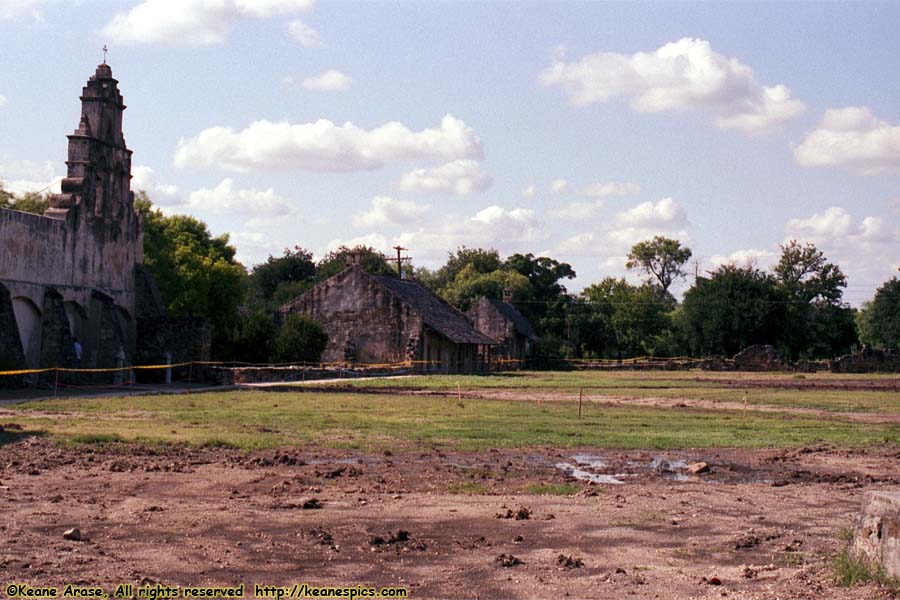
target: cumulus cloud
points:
(679, 75)
(762, 259)
(144, 178)
(11, 9)
(28, 176)
(507, 229)
(666, 214)
(865, 249)
(329, 81)
(2, 99)
(559, 186)
(460, 177)
(611, 188)
(323, 146)
(529, 191)
(193, 22)
(577, 211)
(224, 199)
(854, 138)
(305, 35)
(385, 211)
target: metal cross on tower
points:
(104, 53)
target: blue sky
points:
(571, 129)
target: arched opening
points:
(77, 318)
(28, 320)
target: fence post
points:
(56, 382)
(580, 394)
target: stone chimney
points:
(354, 260)
(507, 295)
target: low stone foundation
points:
(877, 535)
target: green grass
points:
(850, 570)
(661, 384)
(258, 419)
(552, 489)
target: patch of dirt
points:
(760, 524)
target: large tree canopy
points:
(882, 316)
(197, 273)
(661, 258)
(732, 309)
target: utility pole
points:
(400, 259)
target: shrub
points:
(300, 340)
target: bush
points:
(300, 340)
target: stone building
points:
(72, 271)
(500, 321)
(384, 319)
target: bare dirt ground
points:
(759, 524)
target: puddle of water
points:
(577, 473)
(665, 465)
(591, 460)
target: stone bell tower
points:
(96, 198)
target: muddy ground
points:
(758, 524)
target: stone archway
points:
(28, 320)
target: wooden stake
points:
(580, 395)
(56, 383)
(458, 392)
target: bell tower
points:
(98, 182)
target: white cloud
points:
(866, 250)
(193, 22)
(377, 241)
(834, 222)
(329, 81)
(225, 200)
(324, 146)
(305, 35)
(27, 176)
(665, 214)
(162, 195)
(680, 75)
(852, 137)
(577, 211)
(11, 9)
(559, 186)
(460, 177)
(611, 188)
(761, 259)
(2, 99)
(254, 247)
(385, 211)
(529, 191)
(507, 230)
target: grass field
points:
(720, 387)
(399, 420)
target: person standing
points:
(78, 351)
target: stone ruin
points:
(72, 272)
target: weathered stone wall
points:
(171, 340)
(492, 323)
(758, 358)
(57, 344)
(365, 323)
(877, 533)
(868, 360)
(89, 240)
(11, 355)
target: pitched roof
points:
(518, 319)
(437, 313)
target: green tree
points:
(732, 309)
(661, 258)
(545, 302)
(884, 315)
(817, 324)
(197, 273)
(336, 261)
(280, 279)
(634, 318)
(300, 339)
(31, 202)
(469, 285)
(252, 339)
(476, 260)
